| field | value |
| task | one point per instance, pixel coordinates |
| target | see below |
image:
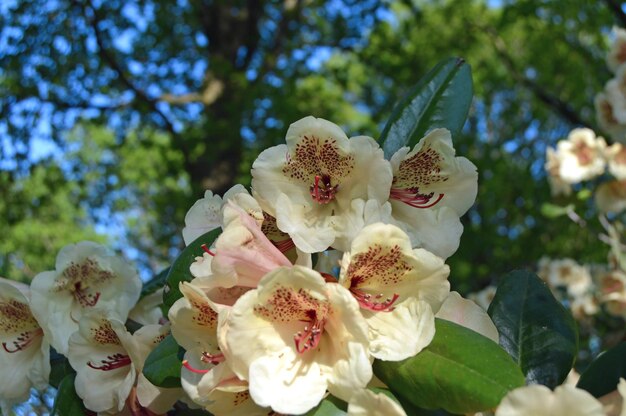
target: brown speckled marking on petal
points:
(82, 279)
(16, 319)
(319, 164)
(203, 314)
(419, 171)
(287, 305)
(379, 268)
(104, 334)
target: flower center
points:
(214, 359)
(83, 297)
(23, 340)
(322, 191)
(112, 362)
(311, 334)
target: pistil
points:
(322, 191)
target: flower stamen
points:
(412, 197)
(23, 340)
(310, 337)
(322, 191)
(112, 362)
(366, 302)
(214, 359)
(193, 369)
(206, 249)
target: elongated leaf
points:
(155, 283)
(179, 272)
(441, 99)
(535, 329)
(59, 368)
(162, 367)
(460, 371)
(603, 374)
(67, 402)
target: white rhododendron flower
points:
(468, 314)
(606, 118)
(553, 167)
(581, 155)
(616, 159)
(309, 183)
(294, 337)
(87, 277)
(617, 54)
(612, 288)
(538, 400)
(206, 214)
(106, 355)
(610, 196)
(25, 352)
(565, 273)
(367, 403)
(398, 288)
(427, 178)
(615, 90)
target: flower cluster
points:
(264, 328)
(611, 103)
(79, 309)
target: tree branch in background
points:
(551, 100)
(121, 73)
(616, 8)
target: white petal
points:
(368, 403)
(538, 400)
(468, 314)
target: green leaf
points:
(67, 402)
(550, 210)
(179, 272)
(603, 374)
(59, 368)
(535, 329)
(330, 406)
(155, 283)
(460, 371)
(441, 99)
(162, 367)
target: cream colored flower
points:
(367, 403)
(294, 337)
(616, 159)
(611, 196)
(309, 183)
(429, 178)
(612, 288)
(399, 289)
(606, 118)
(147, 311)
(617, 54)
(87, 277)
(538, 400)
(468, 314)
(615, 90)
(25, 352)
(566, 273)
(553, 167)
(581, 155)
(106, 355)
(206, 214)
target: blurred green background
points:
(116, 115)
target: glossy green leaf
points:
(460, 371)
(330, 406)
(441, 99)
(535, 329)
(179, 272)
(67, 402)
(59, 368)
(155, 283)
(162, 367)
(603, 374)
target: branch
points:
(121, 73)
(560, 106)
(616, 8)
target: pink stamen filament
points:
(112, 362)
(323, 192)
(23, 340)
(366, 302)
(192, 369)
(310, 337)
(206, 249)
(412, 197)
